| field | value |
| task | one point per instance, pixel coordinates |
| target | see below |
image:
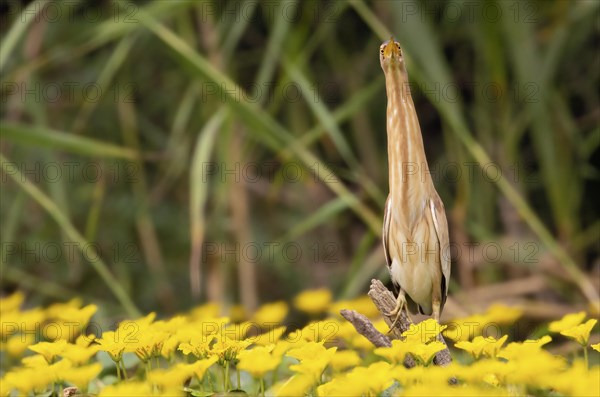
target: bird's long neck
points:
(408, 171)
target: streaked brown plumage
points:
(415, 229)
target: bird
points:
(415, 229)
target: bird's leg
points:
(436, 310)
(400, 304)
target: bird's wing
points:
(441, 229)
(387, 216)
(386, 231)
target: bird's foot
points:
(397, 312)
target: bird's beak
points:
(391, 49)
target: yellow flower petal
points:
(567, 322)
(480, 345)
(49, 349)
(423, 332)
(396, 353)
(425, 353)
(258, 361)
(343, 359)
(82, 376)
(581, 333)
(297, 385)
(271, 313)
(313, 301)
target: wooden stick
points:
(385, 302)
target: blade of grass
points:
(45, 137)
(267, 129)
(322, 215)
(83, 245)
(113, 64)
(151, 246)
(322, 113)
(199, 194)
(16, 31)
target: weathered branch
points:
(365, 328)
(385, 302)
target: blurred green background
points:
(160, 154)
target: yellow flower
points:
(127, 389)
(537, 368)
(313, 301)
(314, 358)
(258, 361)
(469, 327)
(424, 353)
(112, 343)
(271, 313)
(200, 366)
(57, 370)
(269, 337)
(580, 333)
(17, 321)
(169, 378)
(395, 353)
(283, 346)
(49, 349)
(81, 376)
(341, 386)
(363, 304)
(596, 347)
(343, 359)
(484, 370)
(321, 331)
(578, 380)
(453, 390)
(516, 350)
(17, 344)
(480, 345)
(310, 351)
(423, 332)
(12, 302)
(502, 314)
(208, 310)
(169, 346)
(296, 385)
(371, 380)
(79, 354)
(377, 377)
(567, 322)
(75, 319)
(37, 361)
(26, 380)
(199, 346)
(226, 349)
(147, 344)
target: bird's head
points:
(390, 55)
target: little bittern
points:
(415, 229)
